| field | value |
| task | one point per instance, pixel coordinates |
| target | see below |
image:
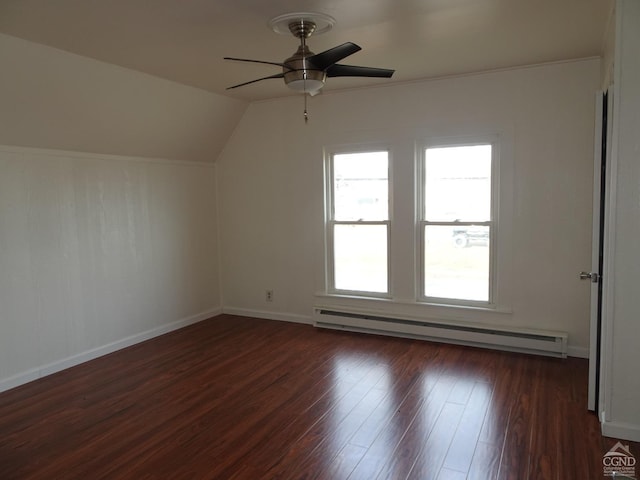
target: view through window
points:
(359, 222)
(457, 222)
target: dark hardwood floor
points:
(239, 398)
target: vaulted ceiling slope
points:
(57, 100)
(185, 41)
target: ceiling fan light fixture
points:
(312, 87)
(305, 80)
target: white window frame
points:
(421, 223)
(330, 221)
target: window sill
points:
(411, 307)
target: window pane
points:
(456, 262)
(458, 183)
(360, 257)
(360, 186)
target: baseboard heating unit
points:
(537, 342)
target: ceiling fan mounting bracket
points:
(302, 28)
(302, 24)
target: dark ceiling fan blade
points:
(277, 75)
(324, 60)
(257, 61)
(338, 70)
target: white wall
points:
(54, 99)
(98, 252)
(608, 50)
(621, 339)
(270, 182)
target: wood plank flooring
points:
(240, 398)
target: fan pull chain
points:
(304, 89)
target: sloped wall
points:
(54, 99)
(103, 249)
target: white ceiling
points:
(185, 40)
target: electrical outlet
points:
(269, 296)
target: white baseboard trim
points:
(58, 365)
(283, 317)
(623, 431)
(578, 352)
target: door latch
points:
(593, 276)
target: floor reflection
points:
(363, 402)
(376, 422)
(450, 423)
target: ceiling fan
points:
(305, 71)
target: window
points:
(456, 223)
(440, 248)
(358, 223)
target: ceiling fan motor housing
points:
(300, 74)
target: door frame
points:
(599, 195)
